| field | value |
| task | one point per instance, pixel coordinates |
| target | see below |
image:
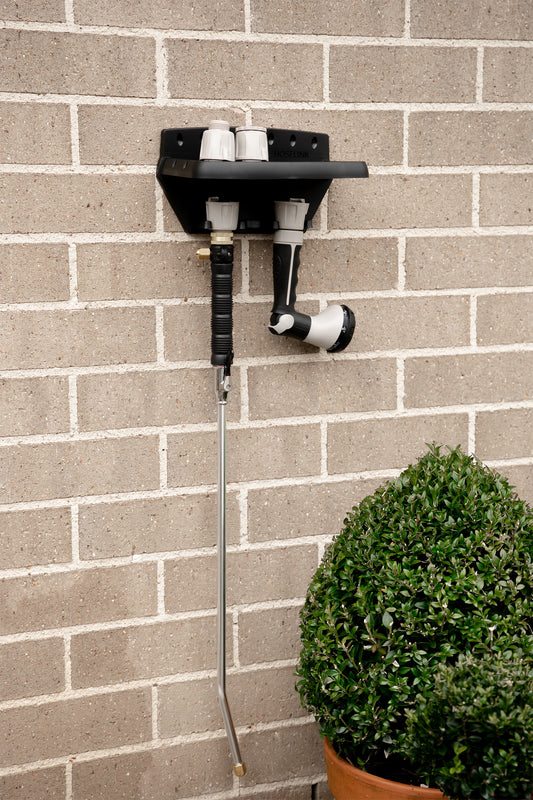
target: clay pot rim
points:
(374, 780)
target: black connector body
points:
(222, 305)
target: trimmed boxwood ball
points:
(473, 733)
(434, 565)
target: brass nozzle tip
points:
(203, 254)
(239, 770)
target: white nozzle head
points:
(251, 143)
(218, 142)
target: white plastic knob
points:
(251, 143)
(218, 142)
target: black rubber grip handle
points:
(285, 263)
(221, 305)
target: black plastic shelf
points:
(298, 166)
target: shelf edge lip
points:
(260, 170)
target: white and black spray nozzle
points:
(333, 328)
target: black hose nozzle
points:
(333, 328)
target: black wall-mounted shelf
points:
(298, 166)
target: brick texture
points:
(32, 668)
(70, 469)
(108, 467)
(470, 137)
(377, 18)
(255, 70)
(33, 272)
(480, 20)
(107, 530)
(34, 134)
(450, 262)
(76, 64)
(90, 203)
(508, 75)
(74, 598)
(398, 201)
(402, 74)
(91, 723)
(40, 536)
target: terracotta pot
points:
(349, 783)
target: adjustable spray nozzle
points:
(333, 328)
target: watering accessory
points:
(260, 180)
(333, 328)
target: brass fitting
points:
(203, 254)
(222, 237)
(239, 770)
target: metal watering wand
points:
(220, 180)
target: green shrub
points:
(435, 564)
(472, 735)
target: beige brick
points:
(281, 754)
(331, 265)
(33, 272)
(521, 477)
(89, 203)
(72, 63)
(34, 133)
(188, 335)
(35, 537)
(63, 599)
(56, 729)
(184, 770)
(32, 668)
(451, 262)
(506, 200)
(300, 792)
(272, 635)
(144, 651)
(390, 443)
(475, 378)
(146, 270)
(138, 399)
(253, 577)
(245, 70)
(402, 74)
(131, 134)
(504, 434)
(286, 512)
(372, 136)
(508, 75)
(34, 785)
(397, 323)
(108, 530)
(179, 15)
(77, 338)
(339, 17)
(402, 201)
(253, 454)
(452, 19)
(260, 696)
(33, 405)
(470, 137)
(505, 319)
(322, 388)
(72, 469)
(33, 10)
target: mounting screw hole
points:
(270, 139)
(180, 139)
(292, 140)
(314, 143)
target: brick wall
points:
(107, 418)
